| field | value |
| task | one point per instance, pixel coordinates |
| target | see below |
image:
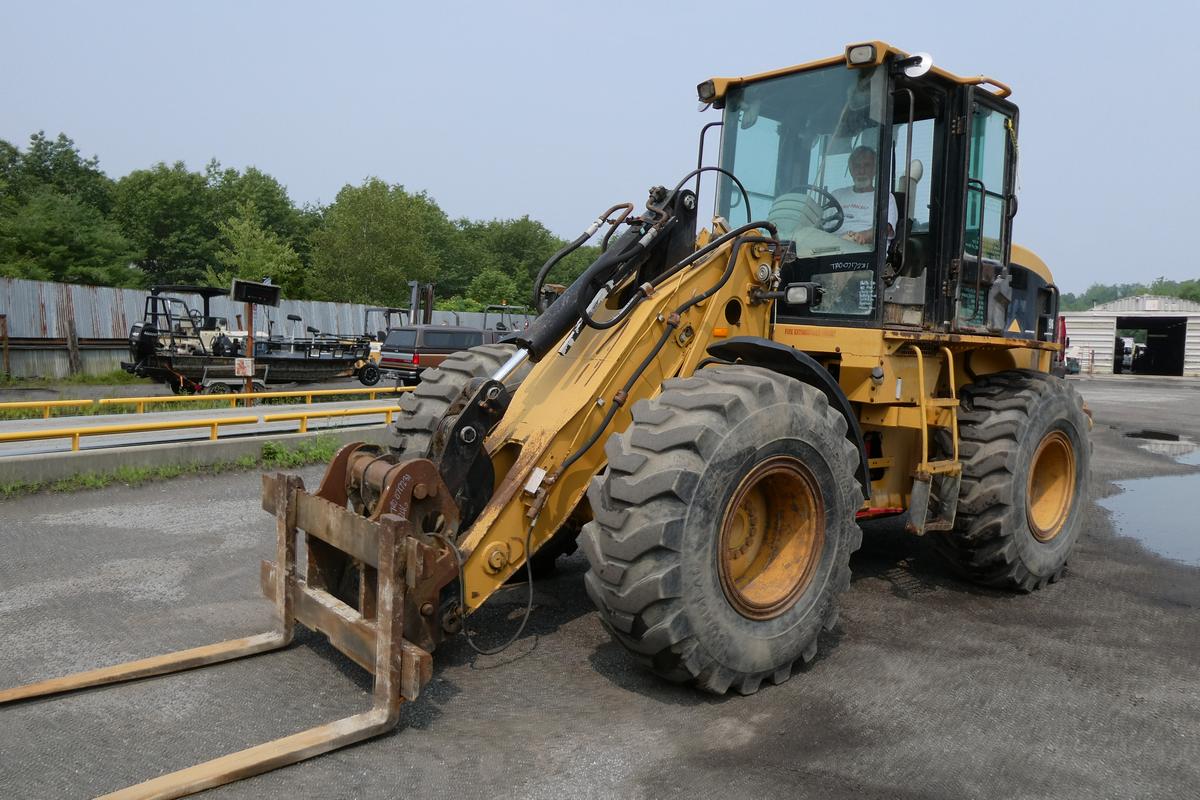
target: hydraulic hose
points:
(554, 259)
(641, 292)
(553, 323)
(625, 208)
(727, 173)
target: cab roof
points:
(881, 52)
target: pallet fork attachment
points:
(400, 568)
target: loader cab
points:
(936, 254)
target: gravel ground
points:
(928, 687)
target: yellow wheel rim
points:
(1051, 488)
(771, 538)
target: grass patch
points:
(95, 409)
(116, 377)
(275, 455)
(310, 451)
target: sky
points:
(559, 110)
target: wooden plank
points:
(345, 530)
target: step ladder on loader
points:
(402, 560)
(934, 500)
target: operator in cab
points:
(858, 200)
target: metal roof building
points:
(1172, 328)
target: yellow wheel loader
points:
(710, 415)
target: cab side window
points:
(911, 181)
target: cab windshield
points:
(805, 146)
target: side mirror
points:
(916, 65)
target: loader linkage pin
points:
(401, 572)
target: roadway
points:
(928, 687)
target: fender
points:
(804, 368)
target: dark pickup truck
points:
(410, 349)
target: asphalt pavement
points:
(928, 687)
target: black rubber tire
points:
(658, 510)
(423, 408)
(368, 374)
(218, 388)
(1002, 420)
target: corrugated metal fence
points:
(41, 316)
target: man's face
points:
(862, 167)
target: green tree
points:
(374, 239)
(10, 159)
(1190, 290)
(61, 238)
(251, 252)
(230, 191)
(54, 163)
(1101, 293)
(166, 212)
(491, 286)
(457, 303)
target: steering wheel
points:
(832, 215)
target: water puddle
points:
(1171, 445)
(1155, 510)
(1192, 458)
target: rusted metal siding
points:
(53, 361)
(40, 310)
(340, 318)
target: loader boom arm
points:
(549, 444)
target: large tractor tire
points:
(423, 408)
(723, 528)
(1023, 442)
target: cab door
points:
(987, 134)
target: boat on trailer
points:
(190, 350)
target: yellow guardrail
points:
(45, 405)
(305, 416)
(106, 430)
(233, 398)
